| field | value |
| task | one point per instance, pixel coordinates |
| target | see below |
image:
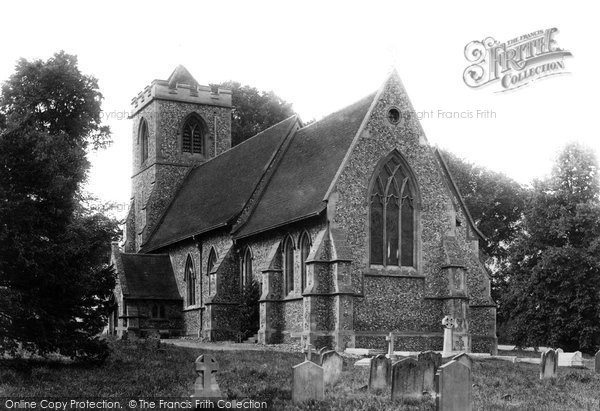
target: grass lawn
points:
(141, 372)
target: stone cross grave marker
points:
(332, 364)
(453, 381)
(465, 359)
(407, 380)
(307, 382)
(380, 373)
(308, 351)
(548, 365)
(597, 362)
(449, 324)
(206, 385)
(390, 339)
(429, 362)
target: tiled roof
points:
(300, 182)
(214, 193)
(149, 276)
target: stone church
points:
(352, 226)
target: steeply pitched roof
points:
(299, 183)
(148, 276)
(214, 193)
(181, 76)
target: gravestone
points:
(429, 362)
(449, 324)
(407, 380)
(206, 385)
(548, 365)
(380, 373)
(321, 351)
(597, 362)
(559, 350)
(153, 339)
(307, 382)
(465, 359)
(332, 364)
(390, 339)
(453, 381)
(569, 359)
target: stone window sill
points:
(193, 308)
(404, 272)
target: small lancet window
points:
(304, 252)
(288, 261)
(143, 138)
(190, 279)
(246, 267)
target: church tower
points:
(177, 124)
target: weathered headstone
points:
(559, 350)
(380, 373)
(548, 365)
(321, 351)
(206, 385)
(465, 359)
(429, 362)
(307, 382)
(569, 359)
(407, 380)
(597, 362)
(449, 324)
(390, 339)
(332, 364)
(453, 381)
(153, 339)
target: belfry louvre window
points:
(392, 215)
(192, 136)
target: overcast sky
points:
(322, 56)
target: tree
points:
(554, 265)
(496, 203)
(253, 110)
(54, 280)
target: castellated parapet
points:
(160, 160)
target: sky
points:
(322, 56)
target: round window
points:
(394, 116)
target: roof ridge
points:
(336, 112)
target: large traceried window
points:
(192, 138)
(246, 269)
(288, 264)
(190, 281)
(304, 251)
(392, 215)
(143, 137)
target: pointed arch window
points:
(192, 136)
(210, 266)
(304, 251)
(190, 280)
(143, 137)
(246, 267)
(288, 264)
(392, 215)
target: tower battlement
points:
(187, 93)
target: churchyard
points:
(143, 370)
